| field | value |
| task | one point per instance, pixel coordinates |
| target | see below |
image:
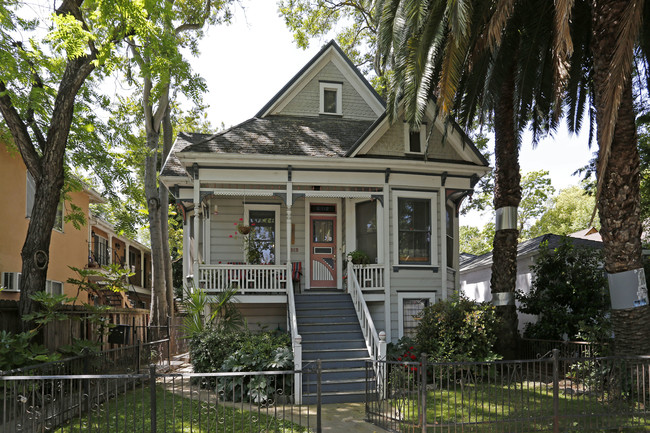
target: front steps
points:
(331, 332)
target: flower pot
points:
(244, 229)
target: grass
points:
(521, 406)
(130, 412)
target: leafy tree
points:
(568, 212)
(476, 241)
(569, 293)
(40, 79)
(158, 70)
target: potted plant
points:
(359, 257)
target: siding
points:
(378, 317)
(224, 248)
(392, 144)
(264, 317)
(307, 101)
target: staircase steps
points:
(331, 332)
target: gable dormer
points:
(328, 86)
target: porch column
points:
(387, 259)
(443, 241)
(196, 222)
(127, 253)
(143, 270)
(111, 253)
(289, 206)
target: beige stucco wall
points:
(67, 248)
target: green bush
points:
(457, 329)
(569, 295)
(209, 349)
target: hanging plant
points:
(244, 230)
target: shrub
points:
(569, 294)
(457, 329)
(210, 348)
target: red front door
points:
(323, 251)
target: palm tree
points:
(478, 73)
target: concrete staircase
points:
(331, 332)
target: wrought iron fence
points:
(530, 348)
(122, 360)
(547, 394)
(155, 402)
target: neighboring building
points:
(68, 247)
(324, 171)
(476, 271)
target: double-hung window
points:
(331, 98)
(414, 229)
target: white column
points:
(443, 242)
(289, 206)
(111, 253)
(196, 222)
(142, 269)
(387, 261)
(350, 226)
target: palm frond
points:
(562, 47)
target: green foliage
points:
(18, 350)
(568, 212)
(397, 350)
(457, 329)
(359, 257)
(569, 293)
(225, 316)
(476, 241)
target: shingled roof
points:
(273, 135)
(524, 248)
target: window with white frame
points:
(331, 98)
(410, 306)
(414, 139)
(54, 287)
(414, 228)
(264, 236)
(11, 281)
(366, 228)
(30, 193)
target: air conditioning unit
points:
(11, 281)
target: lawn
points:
(522, 406)
(130, 412)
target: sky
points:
(247, 62)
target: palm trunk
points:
(507, 193)
(619, 206)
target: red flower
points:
(411, 348)
(414, 369)
(399, 358)
(413, 357)
(230, 236)
(252, 224)
(241, 219)
(236, 224)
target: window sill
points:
(434, 269)
(322, 113)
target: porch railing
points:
(369, 277)
(376, 343)
(249, 279)
(296, 339)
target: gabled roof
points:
(275, 135)
(331, 45)
(527, 248)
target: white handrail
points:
(250, 279)
(296, 339)
(376, 343)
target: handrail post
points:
(297, 365)
(381, 378)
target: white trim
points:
(407, 139)
(338, 88)
(431, 196)
(278, 234)
(50, 283)
(351, 227)
(14, 281)
(431, 296)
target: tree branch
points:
(198, 25)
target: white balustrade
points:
(252, 279)
(369, 277)
(376, 345)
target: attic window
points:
(414, 139)
(331, 98)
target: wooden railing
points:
(296, 339)
(249, 279)
(369, 277)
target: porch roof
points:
(273, 135)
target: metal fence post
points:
(319, 426)
(138, 354)
(152, 396)
(556, 391)
(169, 344)
(423, 385)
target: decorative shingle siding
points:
(307, 102)
(392, 144)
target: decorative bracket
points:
(379, 198)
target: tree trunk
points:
(159, 305)
(507, 193)
(35, 252)
(619, 205)
(168, 140)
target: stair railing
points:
(376, 343)
(296, 339)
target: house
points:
(476, 271)
(80, 248)
(319, 172)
